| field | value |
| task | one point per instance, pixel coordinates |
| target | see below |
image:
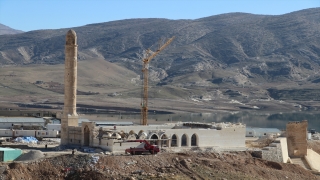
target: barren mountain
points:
(7, 30)
(236, 56)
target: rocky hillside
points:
(236, 50)
(7, 30)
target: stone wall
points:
(92, 133)
(276, 151)
(297, 138)
(75, 135)
(229, 137)
(66, 122)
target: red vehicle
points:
(147, 148)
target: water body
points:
(252, 119)
(255, 119)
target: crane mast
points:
(146, 59)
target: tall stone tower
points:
(69, 116)
(297, 138)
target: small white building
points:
(54, 127)
(8, 122)
(259, 132)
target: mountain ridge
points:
(228, 51)
(7, 30)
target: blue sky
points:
(30, 15)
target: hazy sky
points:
(30, 15)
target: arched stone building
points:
(175, 136)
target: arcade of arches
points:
(183, 141)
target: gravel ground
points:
(30, 155)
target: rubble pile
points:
(184, 165)
(30, 156)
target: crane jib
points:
(146, 60)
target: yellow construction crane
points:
(146, 59)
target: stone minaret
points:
(69, 116)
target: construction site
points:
(179, 150)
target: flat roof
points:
(7, 149)
(262, 129)
(113, 122)
(21, 120)
(83, 120)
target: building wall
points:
(10, 154)
(93, 132)
(6, 133)
(115, 145)
(297, 138)
(224, 138)
(20, 133)
(8, 125)
(313, 159)
(47, 133)
(75, 135)
(277, 151)
(66, 122)
(284, 149)
(259, 132)
(54, 127)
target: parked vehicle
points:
(147, 148)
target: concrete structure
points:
(9, 154)
(9, 122)
(276, 151)
(54, 127)
(175, 136)
(313, 159)
(298, 148)
(297, 138)
(27, 113)
(259, 132)
(69, 116)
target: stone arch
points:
(194, 140)
(133, 135)
(165, 142)
(184, 140)
(142, 135)
(174, 141)
(86, 136)
(154, 137)
(140, 132)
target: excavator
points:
(147, 148)
(146, 59)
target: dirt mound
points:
(30, 156)
(15, 166)
(274, 165)
(189, 165)
(88, 175)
